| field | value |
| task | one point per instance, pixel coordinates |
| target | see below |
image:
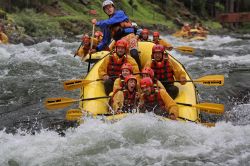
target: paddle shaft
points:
(91, 45)
(78, 49)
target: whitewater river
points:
(31, 135)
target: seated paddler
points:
(156, 100)
(110, 69)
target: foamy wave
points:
(135, 140)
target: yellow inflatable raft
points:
(187, 92)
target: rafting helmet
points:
(157, 48)
(86, 38)
(130, 77)
(149, 71)
(127, 66)
(107, 2)
(145, 31)
(121, 43)
(146, 82)
(98, 34)
(156, 34)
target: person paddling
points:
(85, 47)
(117, 26)
(165, 70)
(98, 36)
(144, 35)
(3, 37)
(156, 100)
(158, 40)
(111, 65)
(126, 99)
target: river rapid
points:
(31, 135)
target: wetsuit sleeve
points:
(118, 100)
(165, 43)
(102, 71)
(119, 16)
(117, 84)
(178, 72)
(80, 52)
(170, 104)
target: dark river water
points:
(31, 135)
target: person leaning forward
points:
(156, 100)
(117, 26)
(165, 70)
(3, 37)
(110, 69)
(85, 47)
(158, 40)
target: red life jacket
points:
(162, 70)
(130, 102)
(155, 103)
(114, 66)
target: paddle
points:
(211, 108)
(75, 84)
(57, 103)
(209, 80)
(91, 45)
(78, 49)
(185, 49)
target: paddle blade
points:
(57, 103)
(75, 84)
(211, 108)
(74, 115)
(211, 80)
(185, 49)
(208, 124)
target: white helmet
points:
(134, 25)
(107, 2)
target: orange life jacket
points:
(114, 66)
(117, 29)
(162, 70)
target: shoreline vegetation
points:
(36, 21)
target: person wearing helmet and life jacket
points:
(165, 70)
(117, 26)
(144, 35)
(158, 40)
(148, 72)
(126, 69)
(85, 46)
(3, 37)
(185, 30)
(111, 65)
(126, 99)
(98, 36)
(156, 100)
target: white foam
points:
(135, 139)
